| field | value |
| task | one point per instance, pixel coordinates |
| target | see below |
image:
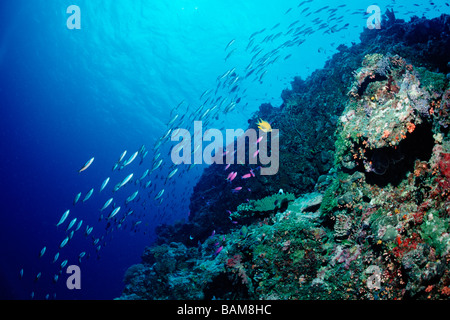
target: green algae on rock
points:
(269, 204)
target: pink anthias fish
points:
(259, 140)
(255, 153)
(231, 176)
(248, 175)
(227, 166)
(218, 250)
(236, 189)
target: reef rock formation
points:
(371, 215)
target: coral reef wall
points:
(365, 177)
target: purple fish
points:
(219, 249)
(231, 176)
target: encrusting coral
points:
(269, 204)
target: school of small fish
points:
(265, 47)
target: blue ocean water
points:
(67, 95)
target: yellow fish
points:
(264, 125)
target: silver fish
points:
(143, 155)
(122, 156)
(230, 43)
(157, 165)
(136, 223)
(172, 173)
(159, 194)
(204, 114)
(55, 258)
(42, 252)
(63, 217)
(88, 230)
(63, 264)
(89, 194)
(229, 54)
(124, 182)
(81, 255)
(77, 197)
(131, 159)
(107, 203)
(173, 120)
(71, 224)
(104, 184)
(63, 243)
(144, 175)
(166, 135)
(132, 197)
(86, 165)
(225, 74)
(114, 212)
(79, 225)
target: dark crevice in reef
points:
(368, 80)
(223, 286)
(391, 165)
